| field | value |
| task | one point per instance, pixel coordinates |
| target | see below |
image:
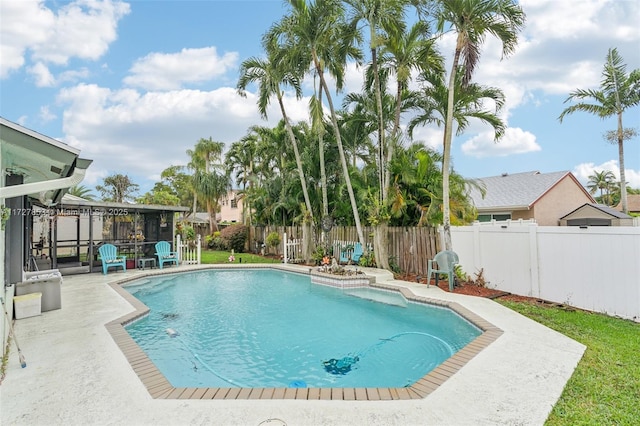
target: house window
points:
(234, 204)
(491, 216)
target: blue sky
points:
(134, 84)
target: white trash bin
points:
(28, 305)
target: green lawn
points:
(605, 387)
(214, 256)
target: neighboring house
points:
(230, 208)
(596, 215)
(633, 204)
(230, 213)
(545, 197)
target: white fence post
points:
(533, 259)
(286, 244)
(179, 248)
(199, 250)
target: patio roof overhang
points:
(47, 166)
(73, 203)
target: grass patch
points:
(605, 387)
(216, 256)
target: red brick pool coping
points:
(159, 387)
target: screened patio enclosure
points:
(68, 236)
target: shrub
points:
(368, 260)
(273, 239)
(318, 254)
(186, 232)
(234, 237)
(215, 241)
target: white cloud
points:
(46, 115)
(431, 137)
(583, 170)
(572, 20)
(144, 133)
(170, 71)
(41, 74)
(514, 141)
(562, 47)
(81, 29)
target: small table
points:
(143, 262)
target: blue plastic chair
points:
(165, 255)
(351, 254)
(357, 253)
(443, 263)
(110, 258)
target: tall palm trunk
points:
(292, 137)
(381, 236)
(323, 168)
(343, 159)
(395, 134)
(306, 235)
(381, 131)
(446, 152)
(623, 182)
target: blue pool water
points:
(268, 328)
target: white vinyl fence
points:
(189, 251)
(593, 268)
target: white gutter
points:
(44, 186)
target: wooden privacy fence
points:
(409, 247)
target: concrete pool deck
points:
(77, 375)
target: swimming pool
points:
(266, 328)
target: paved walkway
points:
(76, 375)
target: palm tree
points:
(432, 104)
(208, 181)
(417, 189)
(270, 73)
(404, 52)
(315, 33)
(603, 181)
(82, 192)
(618, 92)
(365, 117)
(471, 20)
(379, 15)
(318, 128)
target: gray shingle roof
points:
(514, 190)
(605, 209)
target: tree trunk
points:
(381, 245)
(213, 223)
(306, 241)
(381, 130)
(323, 169)
(446, 150)
(623, 182)
(343, 160)
(292, 137)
